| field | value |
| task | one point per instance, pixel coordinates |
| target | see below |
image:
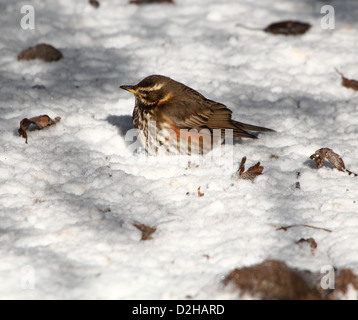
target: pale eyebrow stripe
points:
(157, 86)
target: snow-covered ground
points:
(69, 198)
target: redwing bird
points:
(176, 119)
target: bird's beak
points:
(130, 89)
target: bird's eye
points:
(146, 92)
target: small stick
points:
(284, 228)
(249, 28)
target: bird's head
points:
(153, 90)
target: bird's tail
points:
(250, 127)
(240, 129)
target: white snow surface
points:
(69, 198)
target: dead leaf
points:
(146, 231)
(199, 193)
(310, 241)
(38, 86)
(251, 173)
(94, 3)
(272, 280)
(40, 122)
(320, 155)
(335, 159)
(288, 28)
(42, 51)
(344, 278)
(348, 83)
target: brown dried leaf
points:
(344, 278)
(272, 280)
(274, 156)
(320, 155)
(310, 241)
(251, 173)
(242, 166)
(42, 51)
(287, 28)
(348, 83)
(40, 122)
(199, 193)
(150, 1)
(94, 3)
(335, 159)
(146, 230)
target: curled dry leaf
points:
(320, 155)
(40, 122)
(348, 83)
(335, 159)
(42, 51)
(287, 28)
(310, 241)
(251, 173)
(146, 230)
(199, 193)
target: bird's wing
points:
(201, 113)
(188, 113)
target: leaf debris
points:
(94, 3)
(310, 241)
(251, 173)
(335, 159)
(275, 280)
(272, 280)
(287, 28)
(147, 231)
(40, 122)
(42, 51)
(348, 83)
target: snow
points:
(69, 198)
